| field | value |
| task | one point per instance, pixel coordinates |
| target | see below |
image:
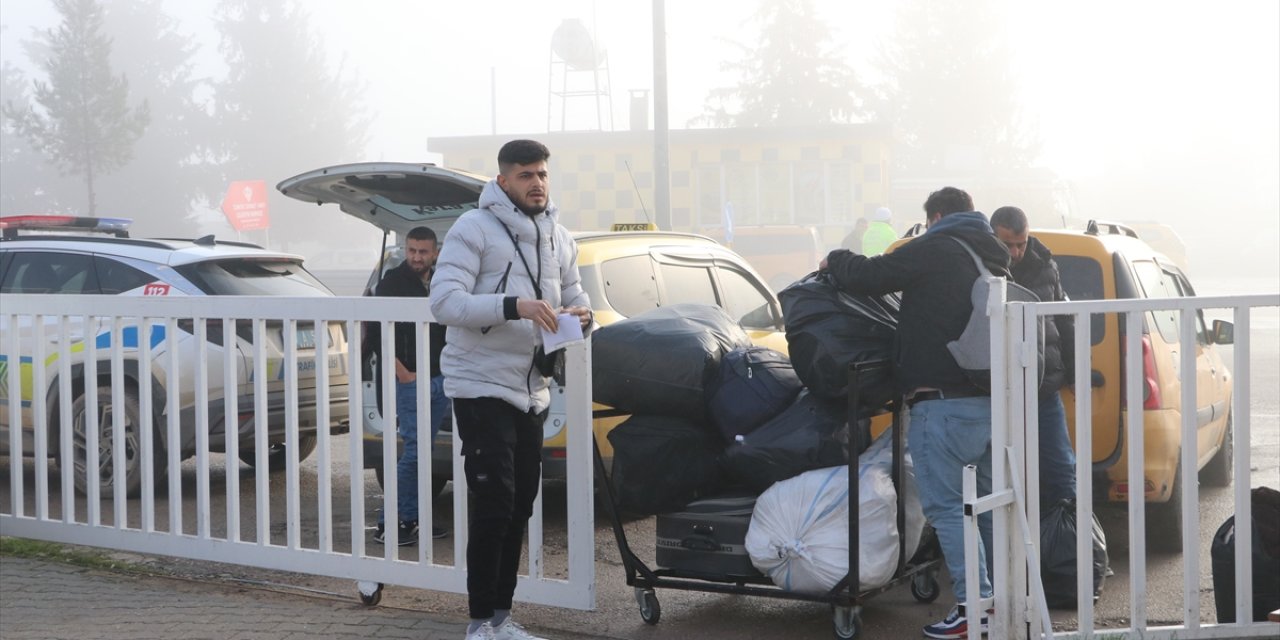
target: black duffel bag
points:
(810, 434)
(662, 463)
(658, 362)
(828, 330)
(1266, 559)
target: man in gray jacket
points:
(508, 270)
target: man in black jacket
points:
(412, 278)
(1035, 269)
(950, 417)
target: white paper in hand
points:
(570, 331)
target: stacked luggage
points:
(715, 422)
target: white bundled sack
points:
(799, 532)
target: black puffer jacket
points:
(935, 275)
(1038, 272)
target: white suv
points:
(86, 256)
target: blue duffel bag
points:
(752, 385)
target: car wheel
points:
(277, 455)
(1218, 472)
(104, 459)
(1164, 520)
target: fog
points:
(1148, 111)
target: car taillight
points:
(1150, 379)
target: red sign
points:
(245, 205)
(156, 289)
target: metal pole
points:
(661, 160)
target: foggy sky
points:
(1153, 110)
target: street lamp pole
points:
(661, 142)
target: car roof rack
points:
(11, 225)
(1113, 228)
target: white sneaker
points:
(510, 630)
(485, 632)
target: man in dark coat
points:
(1035, 269)
(411, 279)
(950, 416)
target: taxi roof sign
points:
(633, 226)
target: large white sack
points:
(799, 531)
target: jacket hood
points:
(956, 223)
(973, 228)
(495, 199)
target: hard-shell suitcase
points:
(705, 539)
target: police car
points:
(64, 255)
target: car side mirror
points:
(1223, 332)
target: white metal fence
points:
(309, 521)
(1019, 605)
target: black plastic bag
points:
(1058, 554)
(828, 329)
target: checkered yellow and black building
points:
(825, 177)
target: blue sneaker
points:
(954, 626)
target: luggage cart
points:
(846, 601)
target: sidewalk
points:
(43, 600)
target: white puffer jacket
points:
(486, 355)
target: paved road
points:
(41, 600)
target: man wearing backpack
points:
(950, 416)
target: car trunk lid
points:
(392, 196)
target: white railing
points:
(311, 522)
(1019, 601)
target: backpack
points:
(752, 385)
(972, 350)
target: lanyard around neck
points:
(537, 282)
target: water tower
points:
(579, 69)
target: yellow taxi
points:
(629, 272)
(1110, 261)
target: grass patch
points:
(78, 556)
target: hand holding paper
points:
(570, 331)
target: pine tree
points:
(80, 118)
(28, 184)
(792, 76)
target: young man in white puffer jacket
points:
(507, 270)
